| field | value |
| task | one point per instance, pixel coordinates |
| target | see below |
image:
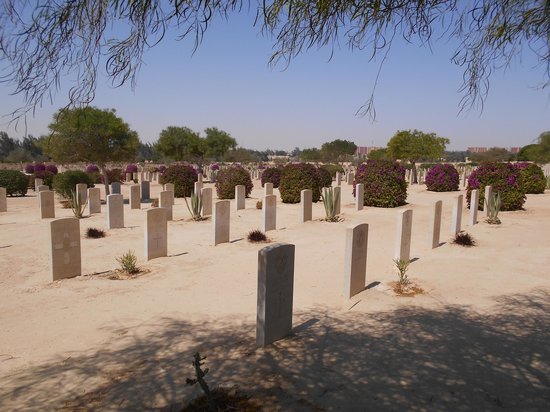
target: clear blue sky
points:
(227, 83)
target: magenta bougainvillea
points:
(384, 183)
(442, 178)
(272, 175)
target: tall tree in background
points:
(538, 152)
(493, 154)
(414, 146)
(42, 41)
(218, 143)
(179, 143)
(90, 135)
(338, 150)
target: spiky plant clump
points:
(402, 266)
(464, 239)
(256, 236)
(77, 204)
(493, 205)
(196, 206)
(128, 263)
(259, 204)
(330, 201)
(93, 233)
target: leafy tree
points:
(338, 150)
(528, 153)
(147, 151)
(310, 155)
(42, 41)
(242, 155)
(218, 143)
(456, 156)
(415, 146)
(494, 154)
(539, 152)
(7, 144)
(179, 143)
(378, 154)
(90, 135)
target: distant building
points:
(363, 151)
(513, 150)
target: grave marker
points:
(82, 192)
(94, 200)
(65, 248)
(115, 188)
(403, 235)
(156, 233)
(115, 211)
(474, 201)
(221, 222)
(166, 201)
(145, 188)
(488, 194)
(436, 223)
(3, 200)
(306, 204)
(206, 193)
(338, 195)
(37, 182)
(359, 196)
(135, 197)
(355, 273)
(47, 204)
(239, 197)
(456, 223)
(269, 213)
(268, 188)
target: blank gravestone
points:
(94, 200)
(166, 201)
(3, 200)
(39, 189)
(169, 187)
(115, 188)
(359, 196)
(145, 190)
(37, 182)
(135, 197)
(275, 293)
(269, 213)
(197, 187)
(239, 197)
(306, 205)
(338, 178)
(456, 223)
(351, 178)
(474, 201)
(436, 223)
(47, 204)
(355, 273)
(268, 189)
(487, 198)
(115, 211)
(156, 233)
(338, 197)
(65, 248)
(220, 221)
(403, 235)
(82, 192)
(206, 193)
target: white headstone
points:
(436, 223)
(145, 188)
(359, 196)
(268, 188)
(37, 182)
(3, 200)
(135, 197)
(166, 201)
(488, 194)
(156, 233)
(456, 223)
(94, 200)
(115, 188)
(221, 222)
(206, 201)
(338, 178)
(474, 201)
(355, 273)
(338, 197)
(350, 178)
(169, 187)
(47, 204)
(197, 187)
(403, 235)
(40, 189)
(269, 213)
(65, 248)
(275, 293)
(239, 197)
(82, 192)
(115, 211)
(306, 205)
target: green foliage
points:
(338, 150)
(65, 183)
(378, 154)
(14, 181)
(384, 183)
(528, 153)
(325, 178)
(90, 135)
(218, 143)
(46, 176)
(24, 150)
(402, 266)
(257, 235)
(180, 143)
(183, 177)
(77, 205)
(310, 155)
(93, 233)
(531, 178)
(297, 177)
(494, 154)
(539, 152)
(196, 206)
(414, 146)
(493, 205)
(128, 263)
(243, 155)
(230, 177)
(272, 175)
(332, 169)
(331, 199)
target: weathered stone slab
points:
(115, 211)
(474, 201)
(197, 187)
(94, 200)
(456, 223)
(355, 272)
(116, 188)
(206, 201)
(269, 213)
(338, 196)
(275, 293)
(156, 233)
(82, 192)
(3, 200)
(350, 178)
(145, 188)
(135, 197)
(47, 204)
(338, 178)
(221, 221)
(306, 204)
(436, 223)
(166, 201)
(39, 189)
(239, 197)
(268, 188)
(488, 194)
(359, 196)
(403, 235)
(37, 182)
(65, 248)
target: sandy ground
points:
(477, 340)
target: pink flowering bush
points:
(384, 183)
(504, 178)
(442, 178)
(230, 177)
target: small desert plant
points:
(93, 233)
(493, 205)
(464, 239)
(128, 263)
(256, 236)
(402, 266)
(196, 206)
(200, 374)
(77, 205)
(259, 204)
(330, 201)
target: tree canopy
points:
(538, 152)
(414, 146)
(494, 154)
(338, 150)
(42, 41)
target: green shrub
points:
(14, 181)
(64, 183)
(325, 178)
(503, 178)
(332, 169)
(531, 178)
(272, 175)
(182, 176)
(45, 175)
(297, 177)
(384, 183)
(230, 177)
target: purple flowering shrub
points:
(230, 177)
(272, 175)
(39, 167)
(442, 178)
(215, 166)
(29, 168)
(384, 183)
(183, 177)
(45, 175)
(531, 178)
(52, 169)
(325, 178)
(504, 178)
(297, 177)
(131, 168)
(162, 169)
(92, 169)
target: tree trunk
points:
(105, 179)
(413, 171)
